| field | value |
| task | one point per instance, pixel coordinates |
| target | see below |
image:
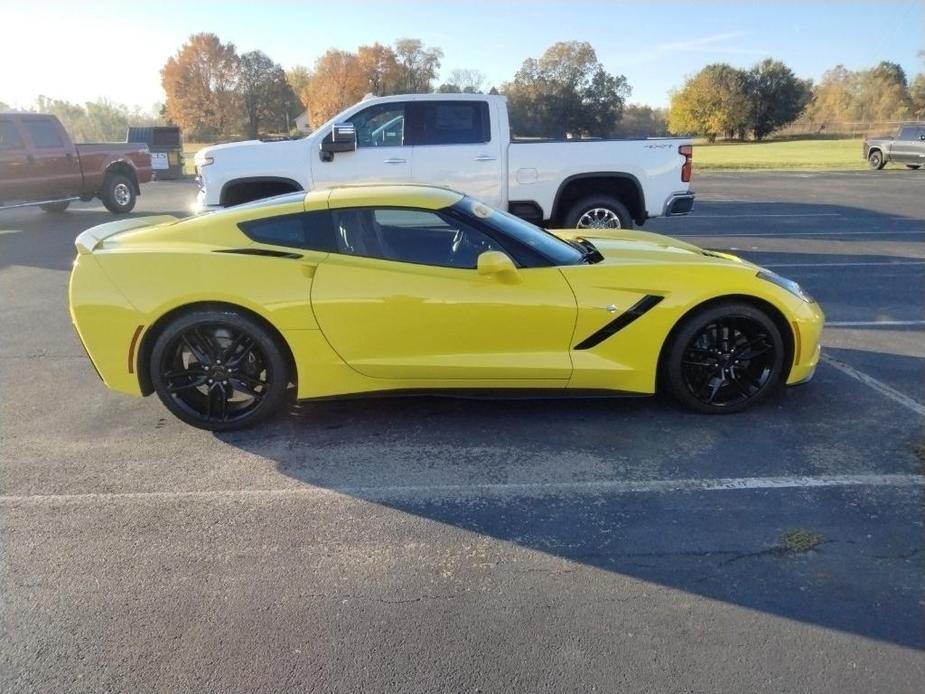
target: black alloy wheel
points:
(219, 371)
(726, 359)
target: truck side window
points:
(908, 134)
(9, 136)
(382, 125)
(451, 123)
(43, 133)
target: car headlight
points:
(784, 283)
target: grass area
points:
(801, 154)
(189, 150)
(822, 155)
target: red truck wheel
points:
(118, 194)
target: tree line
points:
(94, 121)
(723, 101)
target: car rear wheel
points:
(599, 212)
(219, 370)
(118, 194)
(875, 159)
(725, 359)
(56, 207)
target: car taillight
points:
(687, 151)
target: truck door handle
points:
(485, 157)
(395, 160)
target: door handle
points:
(395, 160)
(485, 157)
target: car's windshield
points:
(540, 240)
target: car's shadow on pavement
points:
(551, 476)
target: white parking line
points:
(873, 323)
(879, 386)
(804, 234)
(513, 489)
(859, 264)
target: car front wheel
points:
(219, 370)
(724, 359)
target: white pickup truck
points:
(463, 142)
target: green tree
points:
(463, 82)
(565, 91)
(643, 121)
(298, 78)
(777, 96)
(266, 96)
(417, 66)
(882, 93)
(713, 102)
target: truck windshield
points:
(539, 240)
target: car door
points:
(918, 147)
(401, 298)
(905, 149)
(382, 154)
(455, 146)
(54, 163)
(14, 163)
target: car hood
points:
(233, 152)
(630, 245)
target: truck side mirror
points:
(342, 138)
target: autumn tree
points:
(380, 69)
(337, 81)
(463, 82)
(882, 93)
(713, 102)
(777, 96)
(917, 96)
(266, 96)
(201, 83)
(417, 66)
(565, 91)
(298, 78)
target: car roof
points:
(390, 195)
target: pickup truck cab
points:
(463, 142)
(40, 165)
(907, 147)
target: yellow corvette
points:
(370, 289)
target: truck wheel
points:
(599, 212)
(56, 207)
(912, 166)
(118, 194)
(875, 160)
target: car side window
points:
(9, 135)
(422, 237)
(309, 230)
(43, 132)
(450, 123)
(382, 125)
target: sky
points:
(80, 51)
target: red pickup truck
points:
(39, 165)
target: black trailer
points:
(166, 147)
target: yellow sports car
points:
(370, 289)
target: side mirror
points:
(342, 138)
(498, 264)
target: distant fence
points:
(839, 128)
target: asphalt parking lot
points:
(454, 545)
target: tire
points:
(875, 160)
(56, 207)
(118, 194)
(715, 378)
(190, 379)
(604, 210)
(913, 166)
